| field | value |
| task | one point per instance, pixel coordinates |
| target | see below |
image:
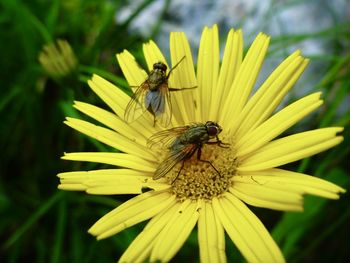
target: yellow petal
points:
(267, 184)
(103, 174)
(111, 138)
(231, 62)
(117, 159)
(208, 69)
(110, 181)
(110, 94)
(275, 205)
(135, 210)
(80, 177)
(114, 188)
(142, 245)
(273, 198)
(246, 231)
(245, 80)
(133, 73)
(277, 124)
(72, 187)
(211, 236)
(291, 148)
(269, 95)
(117, 101)
(182, 77)
(135, 77)
(292, 181)
(153, 55)
(175, 233)
(112, 121)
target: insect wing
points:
(165, 138)
(174, 157)
(162, 107)
(136, 107)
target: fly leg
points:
(175, 66)
(220, 143)
(150, 110)
(199, 153)
(182, 166)
(167, 77)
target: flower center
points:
(205, 178)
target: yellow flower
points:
(248, 173)
(58, 59)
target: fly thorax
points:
(156, 78)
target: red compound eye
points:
(212, 130)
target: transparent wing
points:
(165, 138)
(136, 106)
(163, 112)
(182, 153)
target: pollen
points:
(198, 179)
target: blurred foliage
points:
(40, 223)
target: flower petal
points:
(245, 80)
(264, 196)
(211, 236)
(125, 181)
(133, 74)
(117, 159)
(103, 174)
(135, 210)
(129, 181)
(277, 124)
(291, 148)
(246, 231)
(292, 182)
(112, 121)
(175, 233)
(270, 94)
(231, 62)
(182, 77)
(208, 69)
(111, 138)
(153, 54)
(116, 187)
(117, 101)
(109, 181)
(142, 245)
(275, 205)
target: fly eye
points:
(212, 131)
(160, 66)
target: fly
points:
(153, 95)
(183, 142)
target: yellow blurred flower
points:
(58, 59)
(248, 173)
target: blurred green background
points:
(42, 224)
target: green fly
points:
(183, 142)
